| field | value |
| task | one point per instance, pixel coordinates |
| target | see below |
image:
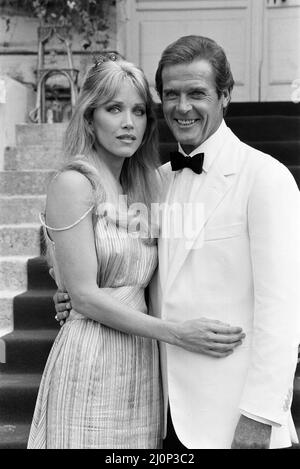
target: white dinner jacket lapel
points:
(163, 246)
(219, 179)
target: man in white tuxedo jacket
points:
(238, 264)
(241, 265)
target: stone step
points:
(18, 393)
(26, 351)
(6, 311)
(34, 309)
(24, 182)
(33, 157)
(14, 435)
(23, 240)
(13, 273)
(21, 209)
(285, 151)
(38, 274)
(34, 134)
(295, 170)
(265, 128)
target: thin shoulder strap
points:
(42, 220)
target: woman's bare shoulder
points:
(70, 180)
(69, 195)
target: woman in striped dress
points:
(101, 384)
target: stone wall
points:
(18, 64)
(18, 47)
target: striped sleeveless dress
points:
(101, 387)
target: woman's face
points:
(120, 124)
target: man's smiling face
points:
(191, 105)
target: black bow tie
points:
(179, 161)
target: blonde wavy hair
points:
(139, 176)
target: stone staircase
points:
(24, 296)
(27, 169)
(26, 289)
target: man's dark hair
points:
(189, 48)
